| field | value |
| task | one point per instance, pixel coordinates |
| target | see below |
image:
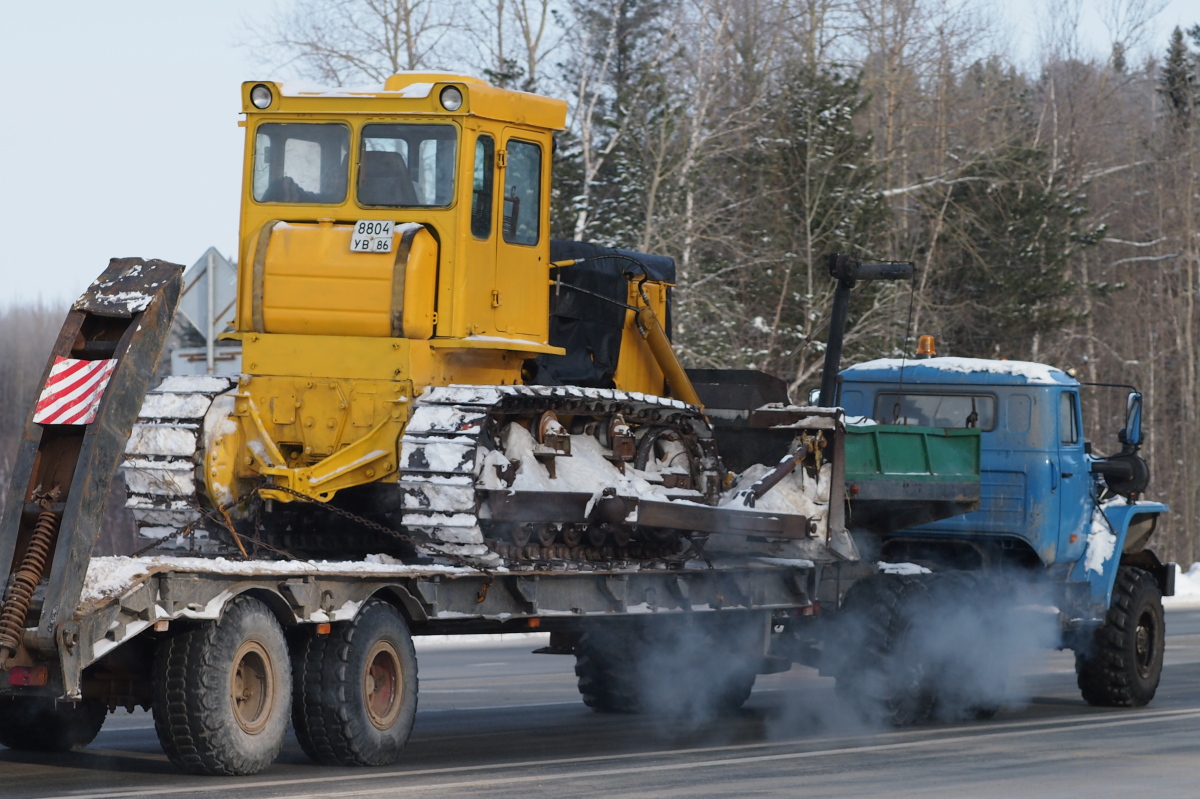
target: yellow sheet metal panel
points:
(420, 286)
(314, 285)
(328, 356)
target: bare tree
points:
(514, 37)
(341, 41)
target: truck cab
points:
(1047, 504)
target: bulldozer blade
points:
(707, 519)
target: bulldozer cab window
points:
(301, 163)
(937, 410)
(522, 190)
(407, 166)
(481, 187)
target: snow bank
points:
(1187, 589)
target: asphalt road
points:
(498, 721)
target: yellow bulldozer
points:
(421, 357)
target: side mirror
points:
(814, 397)
(1131, 434)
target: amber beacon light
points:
(925, 347)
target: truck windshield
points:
(937, 410)
(301, 163)
(407, 166)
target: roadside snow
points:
(1187, 589)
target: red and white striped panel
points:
(73, 391)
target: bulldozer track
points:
(161, 460)
(452, 429)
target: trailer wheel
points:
(1123, 663)
(877, 670)
(42, 724)
(355, 695)
(221, 691)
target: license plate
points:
(372, 235)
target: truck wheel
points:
(877, 671)
(676, 668)
(355, 695)
(221, 692)
(42, 724)
(1122, 666)
(606, 663)
(962, 631)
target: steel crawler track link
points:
(456, 433)
(162, 458)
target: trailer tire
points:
(877, 672)
(221, 692)
(1122, 665)
(42, 724)
(355, 696)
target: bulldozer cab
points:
(417, 211)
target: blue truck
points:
(1059, 537)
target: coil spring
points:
(25, 582)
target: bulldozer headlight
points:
(261, 96)
(451, 98)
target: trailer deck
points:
(125, 597)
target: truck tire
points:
(606, 663)
(42, 724)
(677, 668)
(965, 642)
(355, 696)
(1123, 663)
(221, 692)
(877, 671)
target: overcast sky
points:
(120, 132)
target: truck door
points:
(522, 276)
(1070, 479)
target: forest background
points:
(1052, 208)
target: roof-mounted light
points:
(926, 347)
(261, 96)
(451, 98)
